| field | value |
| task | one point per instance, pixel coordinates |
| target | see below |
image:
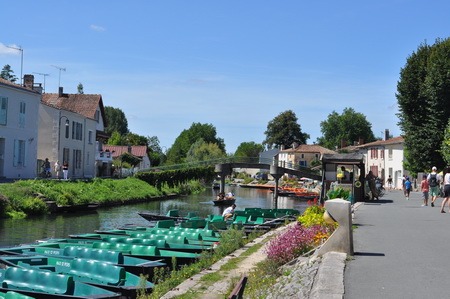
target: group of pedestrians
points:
(431, 187)
(57, 167)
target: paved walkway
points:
(402, 250)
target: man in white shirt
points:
(434, 182)
(228, 213)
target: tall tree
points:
(446, 144)
(117, 121)
(203, 151)
(423, 96)
(249, 150)
(8, 74)
(178, 151)
(346, 128)
(80, 88)
(284, 130)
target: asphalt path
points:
(402, 250)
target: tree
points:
(116, 120)
(284, 130)
(346, 128)
(7, 74)
(423, 96)
(446, 144)
(80, 88)
(203, 151)
(249, 150)
(178, 151)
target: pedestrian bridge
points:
(226, 165)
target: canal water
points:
(21, 231)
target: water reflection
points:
(13, 232)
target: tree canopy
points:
(284, 130)
(178, 152)
(249, 150)
(423, 96)
(116, 121)
(346, 128)
(203, 151)
(8, 74)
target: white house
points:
(384, 158)
(19, 128)
(71, 128)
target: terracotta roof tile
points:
(9, 83)
(84, 104)
(309, 148)
(393, 140)
(117, 150)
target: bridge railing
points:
(232, 160)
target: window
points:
(19, 153)
(382, 154)
(90, 137)
(3, 111)
(97, 116)
(390, 153)
(374, 153)
(77, 130)
(22, 115)
(66, 155)
(77, 159)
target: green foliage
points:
(177, 153)
(116, 121)
(8, 74)
(423, 94)
(173, 178)
(249, 150)
(130, 159)
(348, 127)
(284, 130)
(202, 151)
(338, 193)
(446, 144)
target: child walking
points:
(425, 187)
(407, 188)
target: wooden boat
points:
(91, 272)
(42, 284)
(81, 208)
(228, 201)
(267, 186)
(171, 215)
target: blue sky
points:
(233, 64)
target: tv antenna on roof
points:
(45, 75)
(60, 69)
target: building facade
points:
(19, 129)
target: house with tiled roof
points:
(19, 128)
(71, 129)
(139, 151)
(385, 158)
(303, 155)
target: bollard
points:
(338, 210)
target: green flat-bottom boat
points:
(41, 284)
(95, 273)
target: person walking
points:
(433, 181)
(65, 168)
(57, 168)
(370, 178)
(389, 182)
(446, 183)
(408, 187)
(425, 188)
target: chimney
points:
(386, 134)
(60, 91)
(28, 81)
(360, 141)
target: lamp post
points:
(59, 131)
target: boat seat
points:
(193, 223)
(192, 215)
(165, 224)
(90, 270)
(217, 218)
(145, 250)
(108, 256)
(173, 213)
(161, 243)
(216, 225)
(35, 280)
(242, 219)
(259, 221)
(14, 295)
